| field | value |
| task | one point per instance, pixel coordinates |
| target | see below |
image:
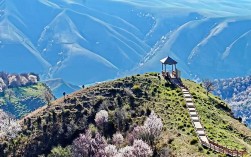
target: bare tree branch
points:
(208, 85)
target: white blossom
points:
(110, 150)
(139, 132)
(9, 128)
(32, 79)
(23, 80)
(2, 84)
(13, 81)
(101, 117)
(126, 152)
(117, 139)
(85, 145)
(154, 125)
(141, 149)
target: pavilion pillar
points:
(162, 67)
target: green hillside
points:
(133, 97)
(20, 101)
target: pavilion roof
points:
(168, 60)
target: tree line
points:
(8, 80)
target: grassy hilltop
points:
(133, 97)
(19, 101)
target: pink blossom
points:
(87, 146)
(110, 150)
(117, 139)
(141, 149)
(101, 117)
(9, 128)
(154, 125)
(126, 152)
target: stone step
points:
(198, 125)
(191, 109)
(193, 114)
(190, 104)
(184, 90)
(187, 96)
(200, 129)
(195, 119)
(189, 99)
(204, 139)
(201, 132)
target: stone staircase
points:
(200, 131)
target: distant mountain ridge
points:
(89, 41)
(59, 86)
(237, 92)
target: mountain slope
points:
(20, 101)
(136, 96)
(236, 91)
(59, 86)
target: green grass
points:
(217, 119)
(23, 100)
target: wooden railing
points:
(222, 149)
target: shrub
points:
(9, 128)
(139, 132)
(101, 117)
(86, 146)
(149, 131)
(81, 145)
(153, 126)
(93, 130)
(120, 119)
(164, 152)
(119, 100)
(194, 141)
(33, 78)
(136, 89)
(126, 151)
(110, 151)
(60, 152)
(14, 81)
(141, 149)
(117, 139)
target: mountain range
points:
(89, 41)
(59, 86)
(237, 93)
